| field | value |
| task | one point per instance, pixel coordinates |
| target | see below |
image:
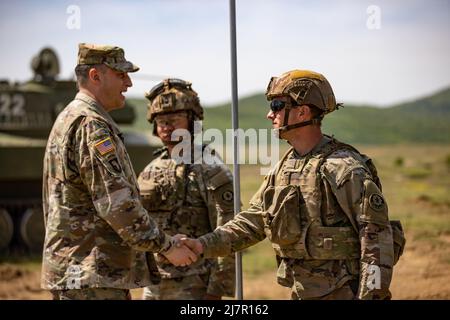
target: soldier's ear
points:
(93, 74)
(301, 111)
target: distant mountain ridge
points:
(425, 120)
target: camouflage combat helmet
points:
(173, 95)
(304, 87)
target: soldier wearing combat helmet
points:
(97, 231)
(321, 206)
(186, 196)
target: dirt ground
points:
(417, 193)
(422, 273)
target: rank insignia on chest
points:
(105, 146)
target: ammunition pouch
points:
(283, 214)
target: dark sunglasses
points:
(277, 105)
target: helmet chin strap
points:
(283, 129)
(286, 128)
(300, 124)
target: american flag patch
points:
(105, 146)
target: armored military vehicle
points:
(27, 113)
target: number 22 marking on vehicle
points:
(12, 105)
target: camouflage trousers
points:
(92, 294)
(185, 288)
(343, 293)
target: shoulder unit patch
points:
(376, 202)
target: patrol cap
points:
(113, 57)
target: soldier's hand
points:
(179, 254)
(176, 239)
(194, 244)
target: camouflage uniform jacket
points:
(96, 227)
(327, 221)
(192, 199)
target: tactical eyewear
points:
(277, 105)
(172, 82)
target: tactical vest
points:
(178, 199)
(292, 216)
(292, 211)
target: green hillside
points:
(420, 121)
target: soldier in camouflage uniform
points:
(321, 206)
(97, 231)
(186, 196)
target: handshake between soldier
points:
(180, 253)
(321, 206)
(191, 246)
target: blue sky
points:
(406, 58)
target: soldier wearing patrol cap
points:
(187, 197)
(97, 231)
(321, 206)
